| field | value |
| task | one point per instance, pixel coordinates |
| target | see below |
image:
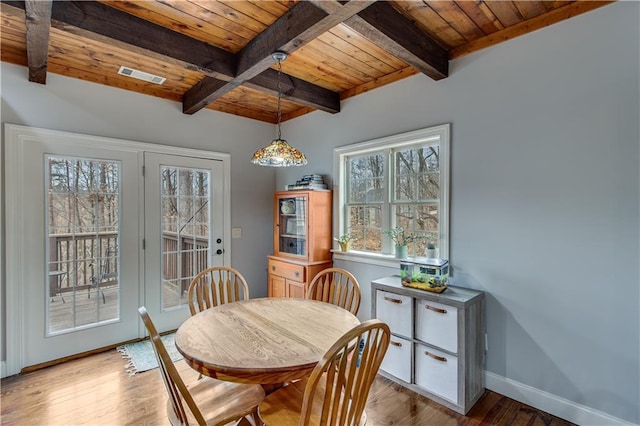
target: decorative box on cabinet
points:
(301, 241)
(437, 342)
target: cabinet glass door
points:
(292, 229)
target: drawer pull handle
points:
(297, 274)
(398, 344)
(273, 268)
(436, 357)
(431, 308)
(392, 300)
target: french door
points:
(97, 227)
(183, 231)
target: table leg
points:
(272, 387)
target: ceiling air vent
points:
(141, 75)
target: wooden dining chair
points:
(336, 392)
(336, 286)
(208, 401)
(216, 286)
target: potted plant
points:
(431, 250)
(401, 238)
(344, 241)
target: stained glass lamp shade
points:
(279, 153)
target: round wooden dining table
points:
(264, 341)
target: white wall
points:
(545, 201)
(81, 107)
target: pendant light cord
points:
(279, 96)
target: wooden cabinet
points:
(291, 278)
(301, 241)
(302, 228)
(437, 340)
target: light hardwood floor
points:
(96, 390)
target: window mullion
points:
(345, 181)
(388, 211)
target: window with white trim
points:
(396, 181)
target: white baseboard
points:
(3, 369)
(552, 404)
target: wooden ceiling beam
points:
(38, 25)
(143, 36)
(293, 89)
(293, 29)
(297, 90)
(98, 22)
(389, 29)
(102, 23)
(300, 25)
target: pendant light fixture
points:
(279, 153)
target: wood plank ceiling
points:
(217, 54)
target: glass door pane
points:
(292, 237)
(83, 213)
(185, 230)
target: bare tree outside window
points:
(83, 218)
(185, 230)
(366, 196)
(396, 181)
(83, 206)
(417, 194)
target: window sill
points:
(368, 258)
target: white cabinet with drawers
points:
(437, 342)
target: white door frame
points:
(14, 224)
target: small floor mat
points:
(141, 356)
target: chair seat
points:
(283, 407)
(220, 402)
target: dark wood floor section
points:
(97, 391)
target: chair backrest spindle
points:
(345, 374)
(336, 286)
(216, 286)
